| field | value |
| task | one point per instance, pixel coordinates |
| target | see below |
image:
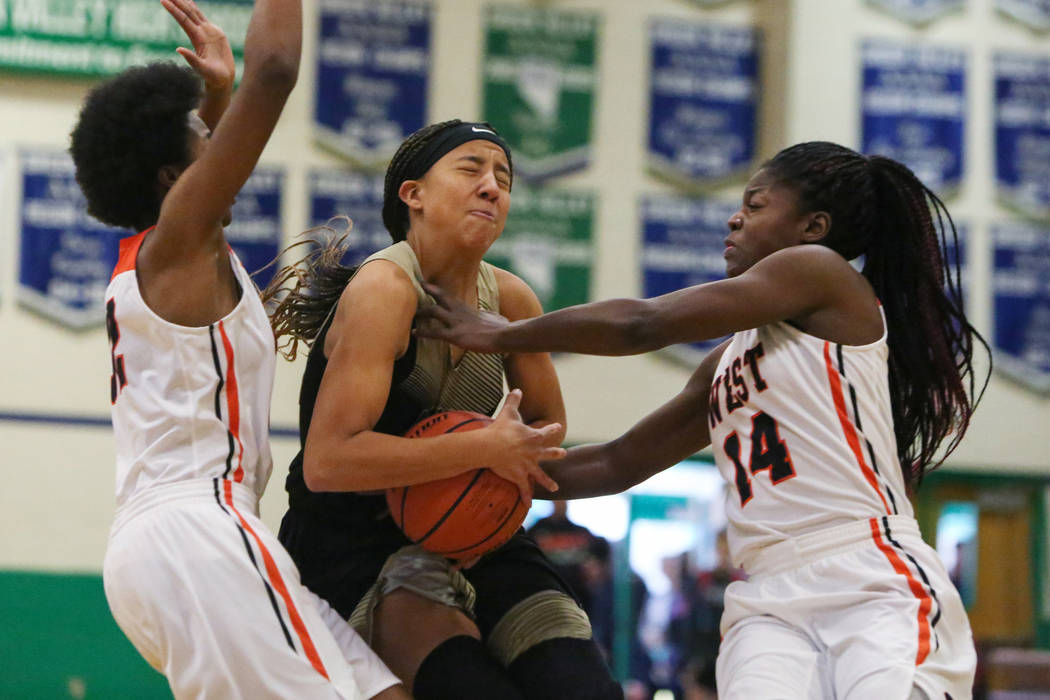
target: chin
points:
(227, 220)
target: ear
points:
(167, 176)
(409, 193)
(818, 225)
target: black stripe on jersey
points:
(218, 402)
(860, 428)
(251, 556)
(922, 574)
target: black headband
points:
(447, 140)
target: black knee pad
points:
(565, 669)
(460, 668)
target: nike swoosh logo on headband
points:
(476, 130)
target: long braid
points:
(303, 294)
(879, 209)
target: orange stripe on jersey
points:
(129, 251)
(848, 428)
(277, 582)
(233, 404)
(925, 602)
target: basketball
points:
(463, 516)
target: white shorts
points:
(864, 611)
(212, 600)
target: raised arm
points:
(662, 439)
(343, 451)
(792, 284)
(198, 202)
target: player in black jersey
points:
(507, 627)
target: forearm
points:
(585, 472)
(214, 103)
(370, 461)
(613, 327)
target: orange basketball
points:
(463, 516)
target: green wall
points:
(58, 640)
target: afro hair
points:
(130, 127)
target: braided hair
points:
(318, 279)
(880, 209)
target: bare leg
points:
(407, 627)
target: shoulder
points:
(516, 298)
(810, 259)
(385, 279)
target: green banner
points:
(538, 85)
(547, 242)
(103, 37)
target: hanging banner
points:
(1034, 13)
(538, 85)
(255, 230)
(703, 100)
(66, 256)
(103, 37)
(372, 70)
(683, 240)
(913, 109)
(1021, 289)
(1022, 132)
(548, 243)
(335, 193)
(918, 12)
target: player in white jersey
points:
(193, 577)
(836, 391)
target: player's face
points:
(768, 220)
(467, 192)
(200, 135)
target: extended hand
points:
(451, 320)
(211, 57)
(520, 448)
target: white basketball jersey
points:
(188, 402)
(802, 430)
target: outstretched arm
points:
(789, 284)
(662, 439)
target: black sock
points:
(565, 669)
(461, 669)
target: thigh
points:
(506, 577)
(897, 625)
(219, 606)
(764, 657)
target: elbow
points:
(640, 331)
(277, 70)
(321, 475)
(314, 475)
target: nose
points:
(736, 221)
(488, 187)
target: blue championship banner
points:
(683, 241)
(255, 231)
(918, 12)
(359, 196)
(913, 106)
(372, 68)
(1021, 288)
(1034, 13)
(103, 37)
(67, 257)
(703, 101)
(1022, 132)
